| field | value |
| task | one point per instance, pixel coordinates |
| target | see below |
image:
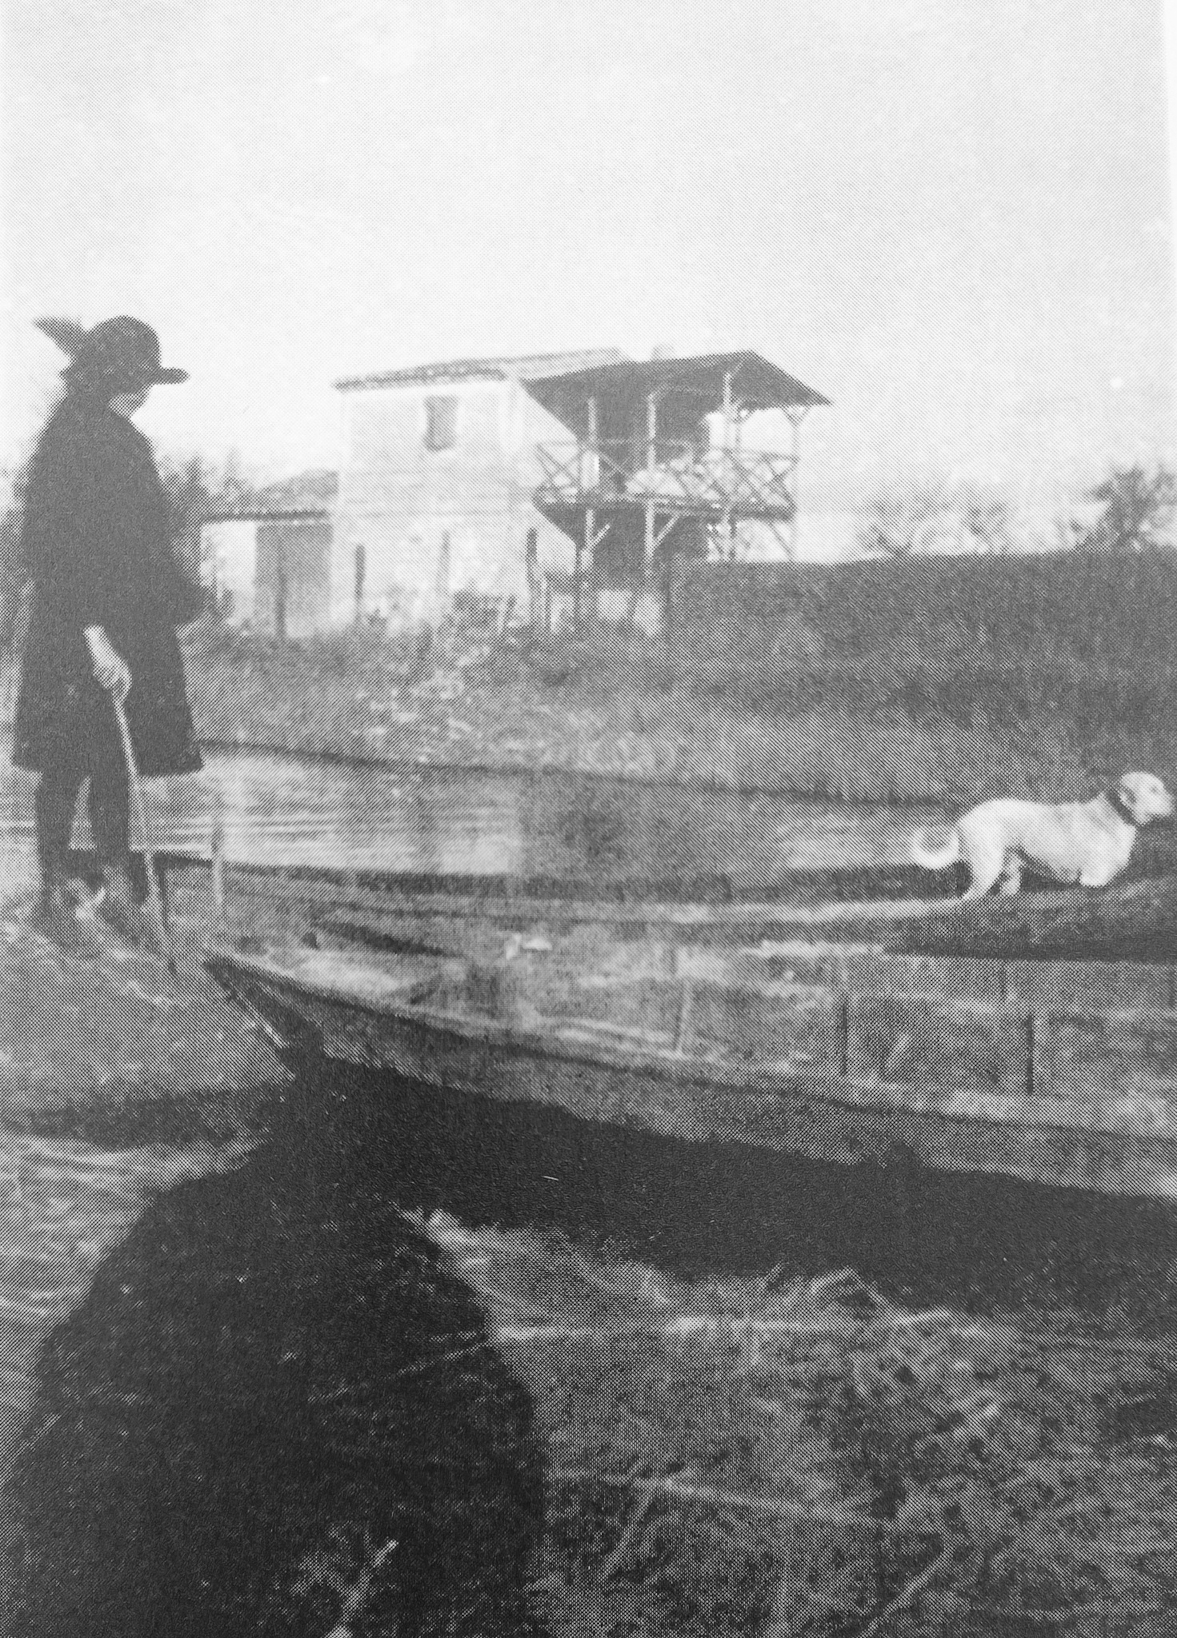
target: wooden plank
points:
(928, 1041)
(1115, 1146)
(1030, 984)
(1089, 985)
(1025, 915)
(785, 1017)
(1039, 1055)
(1063, 922)
(753, 1027)
(1115, 1052)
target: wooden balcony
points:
(666, 476)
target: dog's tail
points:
(933, 858)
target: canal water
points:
(276, 808)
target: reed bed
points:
(922, 680)
(784, 1456)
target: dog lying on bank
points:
(1082, 842)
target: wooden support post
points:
(651, 464)
(588, 477)
(577, 556)
(592, 477)
(729, 532)
(217, 850)
(795, 417)
(843, 1043)
(584, 550)
(1037, 1039)
(534, 593)
(165, 914)
(682, 1028)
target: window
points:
(441, 423)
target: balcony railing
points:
(674, 475)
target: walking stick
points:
(154, 902)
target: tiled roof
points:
(306, 495)
(529, 366)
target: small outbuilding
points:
(268, 557)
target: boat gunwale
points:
(780, 1077)
(395, 898)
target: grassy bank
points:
(912, 681)
(120, 1051)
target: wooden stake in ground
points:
(154, 902)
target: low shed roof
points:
(307, 496)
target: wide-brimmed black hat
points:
(123, 350)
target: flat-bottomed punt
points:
(1063, 1074)
(891, 908)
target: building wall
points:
(228, 566)
(294, 561)
(434, 522)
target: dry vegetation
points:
(330, 1417)
(911, 680)
(789, 1457)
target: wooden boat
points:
(889, 909)
(1062, 1074)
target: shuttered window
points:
(441, 423)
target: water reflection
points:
(281, 808)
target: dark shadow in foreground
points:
(703, 1208)
(269, 1384)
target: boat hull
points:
(1112, 1146)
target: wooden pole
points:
(591, 477)
(651, 463)
(728, 446)
(794, 418)
(593, 474)
(154, 903)
(217, 850)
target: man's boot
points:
(119, 907)
(56, 915)
(57, 918)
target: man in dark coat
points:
(107, 597)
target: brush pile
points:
(804, 1457)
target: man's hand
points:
(110, 669)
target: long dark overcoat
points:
(97, 546)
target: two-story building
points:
(553, 484)
(506, 478)
(437, 486)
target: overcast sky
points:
(951, 217)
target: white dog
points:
(1084, 842)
